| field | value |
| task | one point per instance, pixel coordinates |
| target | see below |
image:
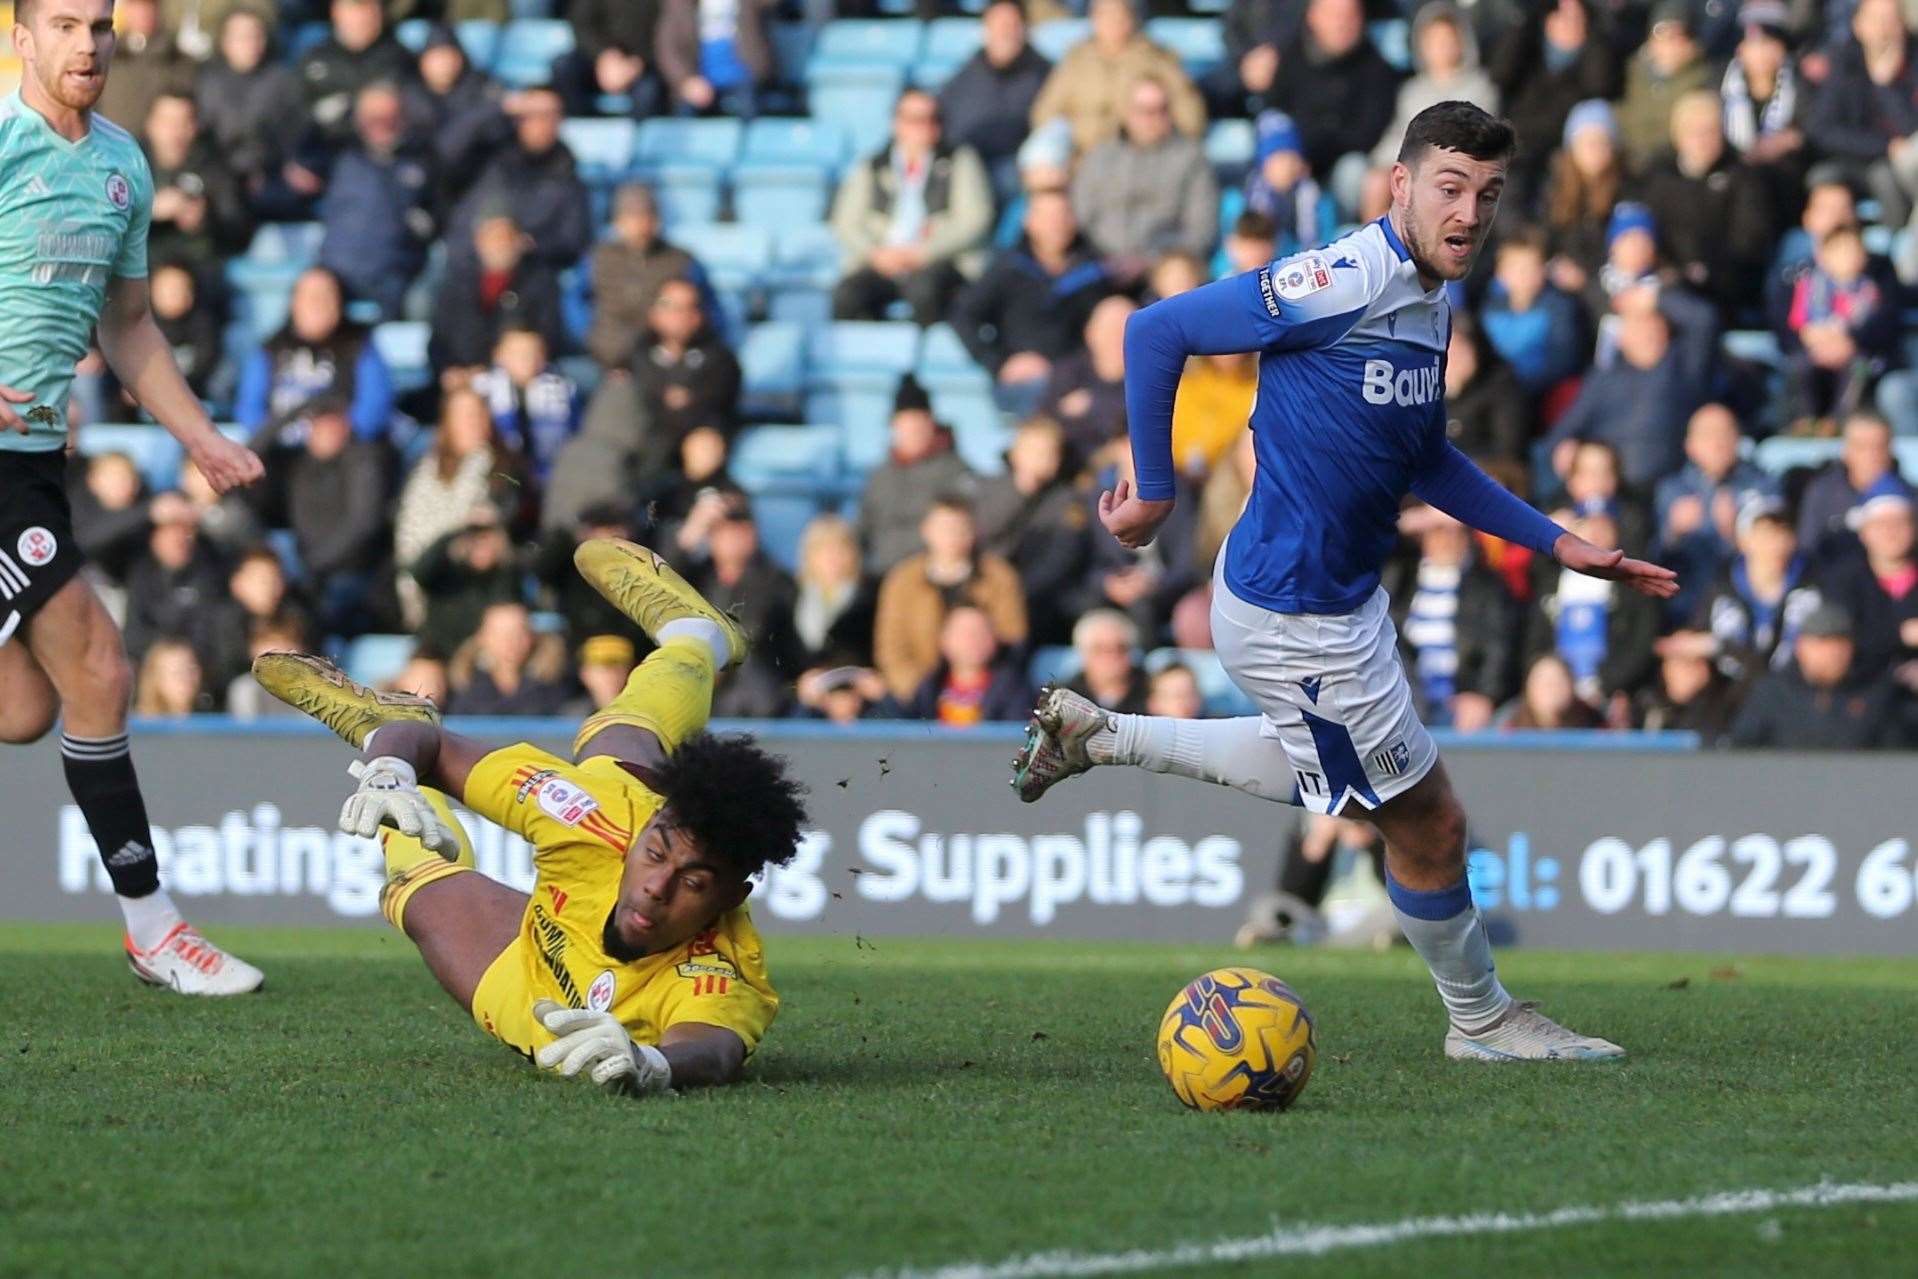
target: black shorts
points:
(38, 555)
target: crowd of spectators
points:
(1688, 169)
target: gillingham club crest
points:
(119, 194)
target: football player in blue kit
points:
(1349, 418)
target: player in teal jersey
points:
(75, 201)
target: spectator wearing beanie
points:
(1281, 189)
(919, 468)
(456, 109)
(1821, 701)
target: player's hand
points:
(1579, 555)
(1131, 518)
(9, 420)
(597, 1044)
(389, 795)
(226, 465)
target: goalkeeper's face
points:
(1446, 202)
(670, 891)
(67, 46)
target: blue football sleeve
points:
(1456, 486)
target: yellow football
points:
(1237, 1039)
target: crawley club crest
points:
(599, 995)
(37, 546)
(119, 194)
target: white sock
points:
(1445, 929)
(1225, 752)
(706, 631)
(149, 918)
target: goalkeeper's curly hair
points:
(733, 799)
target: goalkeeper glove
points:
(597, 1043)
(389, 795)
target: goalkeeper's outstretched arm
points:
(438, 758)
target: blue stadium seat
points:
(785, 142)
(859, 97)
(480, 37)
(931, 75)
(781, 516)
(376, 659)
(951, 40)
(604, 148)
(980, 433)
(262, 305)
(413, 33)
(1230, 146)
(1760, 346)
(734, 256)
(528, 47)
(402, 344)
(792, 46)
(286, 242)
(766, 455)
(861, 418)
(1054, 39)
(155, 454)
(772, 363)
(1782, 453)
(862, 354)
(1392, 37)
(1207, 6)
(775, 197)
(801, 304)
(874, 41)
(668, 143)
(944, 356)
(806, 253)
(686, 196)
(1199, 43)
(1052, 664)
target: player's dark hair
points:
(733, 799)
(1458, 126)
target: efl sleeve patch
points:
(1299, 277)
(564, 802)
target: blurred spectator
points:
(146, 64)
(843, 694)
(509, 676)
(191, 330)
(736, 576)
(1086, 392)
(227, 522)
(199, 215)
(466, 467)
(1045, 164)
(110, 513)
(1602, 632)
(1667, 67)
(1558, 57)
(1700, 506)
(1457, 627)
(1548, 700)
(1335, 85)
(1844, 327)
(379, 206)
(1821, 702)
(1594, 476)
(605, 664)
(1829, 204)
(1753, 607)
(1251, 243)
(1028, 309)
(987, 105)
(1148, 191)
(177, 578)
(1864, 113)
(257, 595)
(457, 110)
(684, 373)
(1093, 82)
(536, 181)
(170, 682)
(1865, 459)
(1486, 409)
(1715, 220)
(612, 56)
(1255, 31)
(424, 675)
(685, 506)
(251, 109)
(463, 574)
(1587, 177)
(318, 354)
(1445, 64)
(909, 218)
(497, 286)
(1879, 588)
(1033, 519)
(1667, 344)
(535, 407)
(1631, 271)
(585, 612)
(919, 468)
(1174, 693)
(336, 505)
(359, 51)
(834, 602)
(1536, 328)
(628, 269)
(1281, 188)
(974, 681)
(1765, 103)
(916, 595)
(243, 697)
(1691, 696)
(1222, 500)
(1143, 584)
(714, 54)
(1106, 643)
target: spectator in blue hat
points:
(1878, 585)
(1587, 177)
(1864, 460)
(1281, 187)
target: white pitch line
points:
(1313, 1241)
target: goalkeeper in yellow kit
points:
(634, 960)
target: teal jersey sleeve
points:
(131, 264)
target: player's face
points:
(68, 49)
(1446, 202)
(670, 891)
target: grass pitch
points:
(929, 1103)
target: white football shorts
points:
(1332, 692)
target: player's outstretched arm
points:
(140, 357)
(441, 759)
(689, 1055)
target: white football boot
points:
(1526, 1034)
(1062, 723)
(188, 963)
